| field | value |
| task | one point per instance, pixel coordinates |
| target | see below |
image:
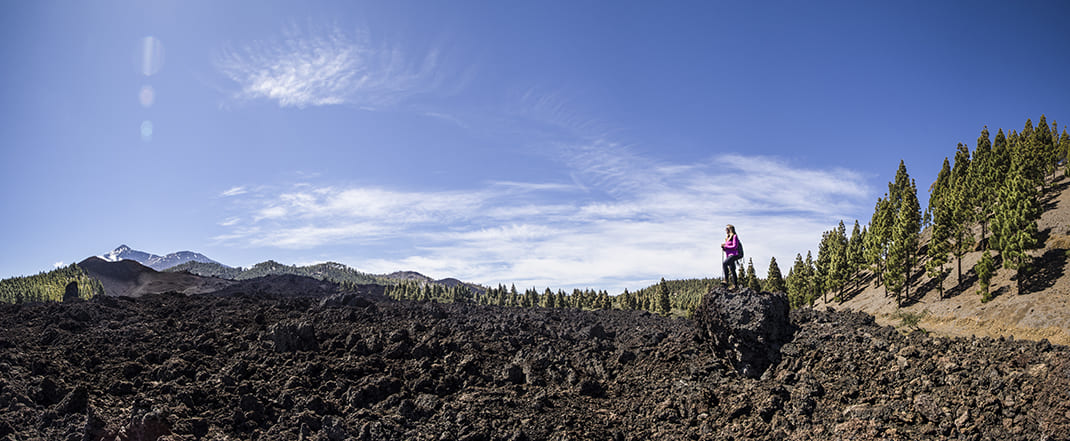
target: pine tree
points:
(855, 250)
(904, 244)
(1046, 147)
(942, 219)
(752, 277)
(1014, 229)
(877, 237)
(810, 278)
(911, 211)
(1064, 147)
(604, 302)
(895, 267)
(897, 188)
(797, 284)
(774, 282)
(663, 305)
(548, 300)
(958, 200)
(982, 182)
(1001, 159)
(882, 228)
(1029, 151)
(838, 261)
(822, 266)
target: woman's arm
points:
(731, 244)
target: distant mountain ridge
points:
(198, 264)
(158, 263)
(127, 278)
(330, 271)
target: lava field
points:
(359, 367)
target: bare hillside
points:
(1040, 311)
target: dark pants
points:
(729, 268)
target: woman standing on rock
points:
(733, 251)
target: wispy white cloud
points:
(449, 118)
(231, 221)
(327, 67)
(626, 222)
(57, 264)
(234, 191)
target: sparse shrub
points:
(1059, 242)
(910, 319)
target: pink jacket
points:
(731, 246)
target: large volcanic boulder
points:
(290, 337)
(747, 326)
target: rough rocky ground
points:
(176, 367)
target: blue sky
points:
(563, 144)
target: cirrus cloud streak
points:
(326, 67)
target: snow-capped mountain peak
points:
(159, 263)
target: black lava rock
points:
(747, 326)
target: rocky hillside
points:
(130, 278)
(1040, 311)
(352, 366)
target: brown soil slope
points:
(1040, 311)
(172, 367)
(131, 279)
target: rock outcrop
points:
(749, 327)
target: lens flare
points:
(151, 56)
(147, 96)
(146, 131)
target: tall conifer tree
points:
(1014, 229)
(1030, 154)
(752, 276)
(797, 284)
(877, 238)
(1064, 147)
(959, 202)
(983, 185)
(939, 243)
(855, 250)
(809, 277)
(1001, 158)
(663, 306)
(838, 261)
(904, 244)
(1045, 144)
(774, 281)
(821, 266)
